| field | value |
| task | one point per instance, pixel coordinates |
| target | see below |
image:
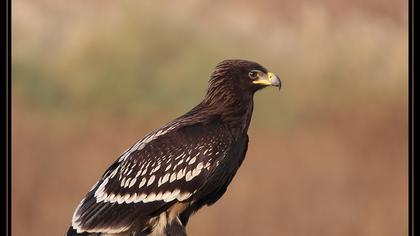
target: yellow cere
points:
(265, 81)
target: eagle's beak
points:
(269, 80)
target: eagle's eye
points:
(253, 74)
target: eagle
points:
(155, 186)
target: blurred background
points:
(327, 155)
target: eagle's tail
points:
(73, 232)
(176, 228)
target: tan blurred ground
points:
(327, 155)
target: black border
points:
(410, 117)
(8, 81)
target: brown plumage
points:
(158, 183)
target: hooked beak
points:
(269, 80)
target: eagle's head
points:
(239, 78)
(231, 90)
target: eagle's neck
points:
(238, 116)
(233, 107)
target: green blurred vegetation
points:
(89, 78)
(135, 59)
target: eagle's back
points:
(184, 161)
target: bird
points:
(158, 183)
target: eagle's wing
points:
(169, 165)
